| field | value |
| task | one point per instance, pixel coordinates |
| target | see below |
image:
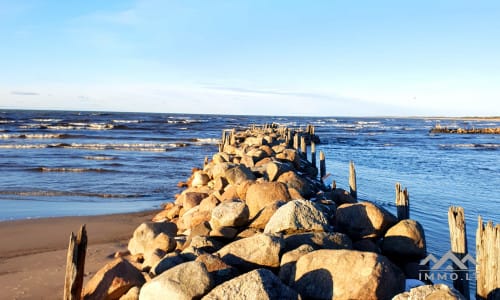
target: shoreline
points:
(33, 251)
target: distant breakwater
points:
(261, 220)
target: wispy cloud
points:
(24, 93)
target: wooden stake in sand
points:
(75, 262)
(458, 240)
(488, 260)
(402, 202)
(352, 180)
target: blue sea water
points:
(56, 163)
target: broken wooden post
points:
(296, 141)
(75, 262)
(352, 180)
(322, 165)
(313, 154)
(303, 146)
(402, 202)
(289, 137)
(458, 241)
(487, 260)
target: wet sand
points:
(33, 252)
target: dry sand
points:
(33, 252)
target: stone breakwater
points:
(256, 222)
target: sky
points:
(262, 57)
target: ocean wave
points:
(126, 121)
(7, 121)
(46, 120)
(35, 136)
(52, 193)
(72, 170)
(100, 157)
(206, 141)
(24, 146)
(69, 126)
(470, 146)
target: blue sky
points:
(267, 57)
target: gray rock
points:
(437, 291)
(259, 284)
(260, 250)
(145, 234)
(297, 216)
(318, 240)
(230, 214)
(189, 280)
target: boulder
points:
(145, 234)
(132, 294)
(363, 220)
(233, 213)
(205, 243)
(199, 179)
(260, 195)
(242, 188)
(191, 199)
(230, 194)
(169, 212)
(238, 174)
(436, 291)
(262, 218)
(318, 240)
(294, 181)
(208, 203)
(288, 260)
(289, 155)
(405, 239)
(275, 169)
(341, 196)
(219, 170)
(297, 216)
(113, 281)
(219, 270)
(220, 157)
(167, 262)
(260, 250)
(185, 281)
(259, 284)
(346, 274)
(254, 141)
(192, 218)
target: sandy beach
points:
(33, 252)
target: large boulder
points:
(234, 213)
(259, 284)
(262, 218)
(275, 168)
(297, 216)
(238, 174)
(289, 155)
(167, 262)
(260, 250)
(185, 281)
(294, 181)
(193, 217)
(190, 199)
(218, 269)
(437, 291)
(260, 195)
(144, 235)
(113, 281)
(318, 240)
(288, 260)
(363, 220)
(346, 274)
(406, 239)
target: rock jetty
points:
(257, 222)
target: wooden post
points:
(289, 137)
(402, 202)
(313, 154)
(322, 165)
(75, 263)
(458, 241)
(296, 141)
(352, 180)
(303, 146)
(487, 260)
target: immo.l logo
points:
(448, 267)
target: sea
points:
(69, 163)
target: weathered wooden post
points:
(75, 262)
(313, 154)
(487, 260)
(289, 137)
(303, 146)
(352, 180)
(296, 141)
(322, 165)
(402, 202)
(458, 241)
